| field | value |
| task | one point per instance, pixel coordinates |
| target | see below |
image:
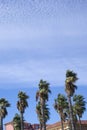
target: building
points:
(57, 126)
(27, 126)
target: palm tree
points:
(17, 122)
(46, 114)
(61, 106)
(38, 111)
(71, 78)
(79, 106)
(3, 110)
(43, 95)
(21, 105)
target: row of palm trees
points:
(67, 109)
(21, 106)
(62, 107)
(72, 107)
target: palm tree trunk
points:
(40, 126)
(1, 123)
(80, 124)
(22, 123)
(43, 115)
(69, 124)
(71, 113)
(62, 124)
(44, 126)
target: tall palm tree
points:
(17, 122)
(46, 114)
(21, 105)
(61, 106)
(71, 78)
(38, 111)
(43, 95)
(79, 106)
(3, 110)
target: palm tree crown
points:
(43, 91)
(61, 106)
(71, 78)
(3, 111)
(79, 105)
(17, 122)
(21, 105)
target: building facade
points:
(57, 126)
(27, 126)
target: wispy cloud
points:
(42, 40)
(52, 70)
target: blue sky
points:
(41, 39)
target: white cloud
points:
(50, 70)
(46, 45)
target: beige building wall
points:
(9, 126)
(57, 126)
(27, 126)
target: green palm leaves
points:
(79, 106)
(71, 78)
(39, 114)
(42, 97)
(61, 106)
(72, 107)
(43, 92)
(3, 110)
(21, 105)
(17, 122)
